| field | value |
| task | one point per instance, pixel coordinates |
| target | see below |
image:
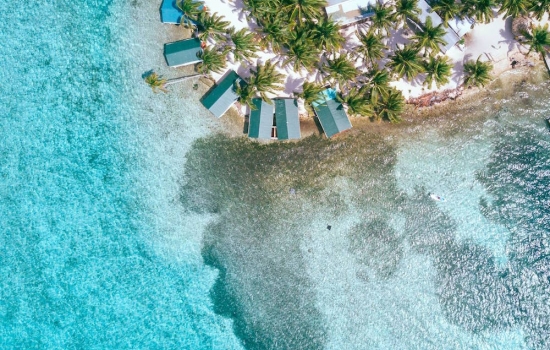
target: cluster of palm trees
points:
(299, 32)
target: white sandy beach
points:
(492, 42)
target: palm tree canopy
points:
(390, 107)
(538, 39)
(438, 70)
(245, 93)
(406, 9)
(212, 61)
(514, 8)
(300, 9)
(211, 24)
(274, 31)
(190, 9)
(341, 69)
(372, 47)
(430, 38)
(327, 33)
(481, 10)
(539, 8)
(156, 82)
(477, 73)
(301, 50)
(447, 10)
(245, 45)
(378, 85)
(356, 102)
(382, 17)
(266, 79)
(406, 63)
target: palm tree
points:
(430, 38)
(190, 9)
(538, 39)
(211, 25)
(274, 31)
(378, 85)
(539, 8)
(514, 8)
(382, 18)
(327, 33)
(477, 73)
(245, 93)
(245, 45)
(156, 82)
(405, 62)
(266, 79)
(372, 47)
(341, 69)
(438, 70)
(481, 10)
(447, 10)
(212, 61)
(310, 92)
(356, 102)
(390, 107)
(258, 9)
(301, 51)
(406, 9)
(300, 9)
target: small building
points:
(331, 113)
(349, 11)
(223, 95)
(261, 121)
(170, 12)
(287, 119)
(183, 52)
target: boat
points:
(435, 197)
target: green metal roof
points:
(261, 120)
(182, 52)
(332, 116)
(288, 120)
(223, 95)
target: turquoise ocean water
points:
(129, 220)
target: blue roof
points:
(223, 95)
(288, 119)
(169, 12)
(331, 113)
(261, 120)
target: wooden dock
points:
(180, 79)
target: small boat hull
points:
(437, 198)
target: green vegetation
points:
(406, 63)
(305, 40)
(477, 73)
(438, 71)
(538, 39)
(156, 82)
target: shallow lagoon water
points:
(131, 219)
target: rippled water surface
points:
(131, 220)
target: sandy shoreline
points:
(493, 42)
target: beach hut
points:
(223, 95)
(349, 11)
(183, 52)
(287, 119)
(331, 113)
(261, 120)
(169, 12)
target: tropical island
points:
(356, 58)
